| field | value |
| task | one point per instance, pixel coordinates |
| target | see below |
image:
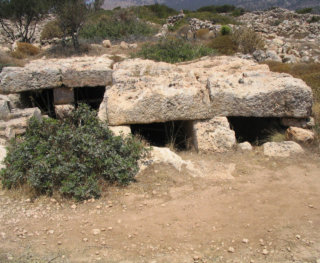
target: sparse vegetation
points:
(51, 30)
(224, 45)
(121, 24)
(247, 40)
(73, 157)
(173, 50)
(24, 50)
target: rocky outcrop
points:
(145, 91)
(281, 149)
(213, 135)
(52, 73)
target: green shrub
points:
(314, 19)
(121, 24)
(173, 51)
(247, 40)
(304, 11)
(72, 157)
(224, 45)
(51, 30)
(225, 30)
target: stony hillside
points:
(191, 4)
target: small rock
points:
(245, 241)
(231, 250)
(59, 243)
(73, 206)
(124, 45)
(265, 252)
(298, 236)
(96, 231)
(85, 240)
(106, 43)
(110, 228)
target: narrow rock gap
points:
(42, 99)
(92, 96)
(173, 134)
(255, 130)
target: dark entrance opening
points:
(255, 130)
(177, 134)
(43, 99)
(92, 96)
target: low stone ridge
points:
(145, 91)
(52, 73)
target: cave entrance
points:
(176, 134)
(255, 130)
(43, 99)
(92, 96)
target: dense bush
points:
(173, 51)
(247, 40)
(72, 157)
(225, 30)
(314, 19)
(51, 30)
(122, 24)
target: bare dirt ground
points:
(245, 208)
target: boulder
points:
(300, 135)
(52, 73)
(4, 109)
(145, 91)
(245, 146)
(213, 135)
(106, 43)
(3, 154)
(124, 45)
(63, 111)
(159, 155)
(281, 149)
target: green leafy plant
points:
(225, 30)
(173, 50)
(73, 157)
(304, 11)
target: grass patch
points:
(120, 24)
(173, 51)
(7, 61)
(73, 157)
(224, 45)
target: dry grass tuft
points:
(25, 50)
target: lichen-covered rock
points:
(63, 111)
(213, 135)
(52, 73)
(300, 135)
(145, 91)
(281, 149)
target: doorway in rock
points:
(43, 99)
(255, 130)
(176, 134)
(92, 96)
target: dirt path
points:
(268, 211)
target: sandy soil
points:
(244, 208)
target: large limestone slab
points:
(145, 91)
(52, 73)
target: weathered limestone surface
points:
(144, 91)
(213, 135)
(281, 149)
(300, 135)
(52, 73)
(120, 130)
